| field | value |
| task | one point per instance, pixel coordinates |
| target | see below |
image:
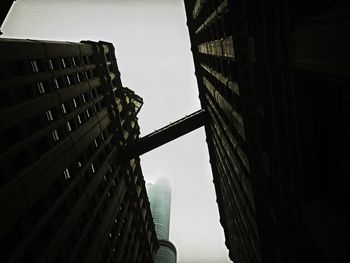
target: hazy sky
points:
(153, 54)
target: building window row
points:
(232, 85)
(17, 95)
(36, 217)
(235, 188)
(13, 96)
(230, 112)
(67, 80)
(76, 193)
(221, 47)
(15, 134)
(199, 4)
(221, 10)
(12, 69)
(67, 62)
(238, 145)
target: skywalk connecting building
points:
(66, 195)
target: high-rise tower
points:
(273, 78)
(160, 199)
(66, 195)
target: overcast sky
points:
(153, 54)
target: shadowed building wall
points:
(64, 116)
(273, 77)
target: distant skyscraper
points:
(160, 199)
(66, 196)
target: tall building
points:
(160, 199)
(159, 195)
(273, 78)
(66, 193)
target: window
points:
(83, 97)
(95, 108)
(69, 128)
(50, 65)
(57, 86)
(63, 63)
(68, 80)
(49, 115)
(87, 113)
(85, 60)
(125, 134)
(55, 136)
(93, 93)
(63, 108)
(79, 119)
(41, 87)
(88, 75)
(92, 168)
(66, 174)
(98, 106)
(95, 142)
(80, 76)
(34, 65)
(75, 103)
(79, 164)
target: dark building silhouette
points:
(65, 194)
(273, 78)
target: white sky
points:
(153, 53)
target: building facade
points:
(166, 252)
(66, 195)
(159, 195)
(273, 77)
